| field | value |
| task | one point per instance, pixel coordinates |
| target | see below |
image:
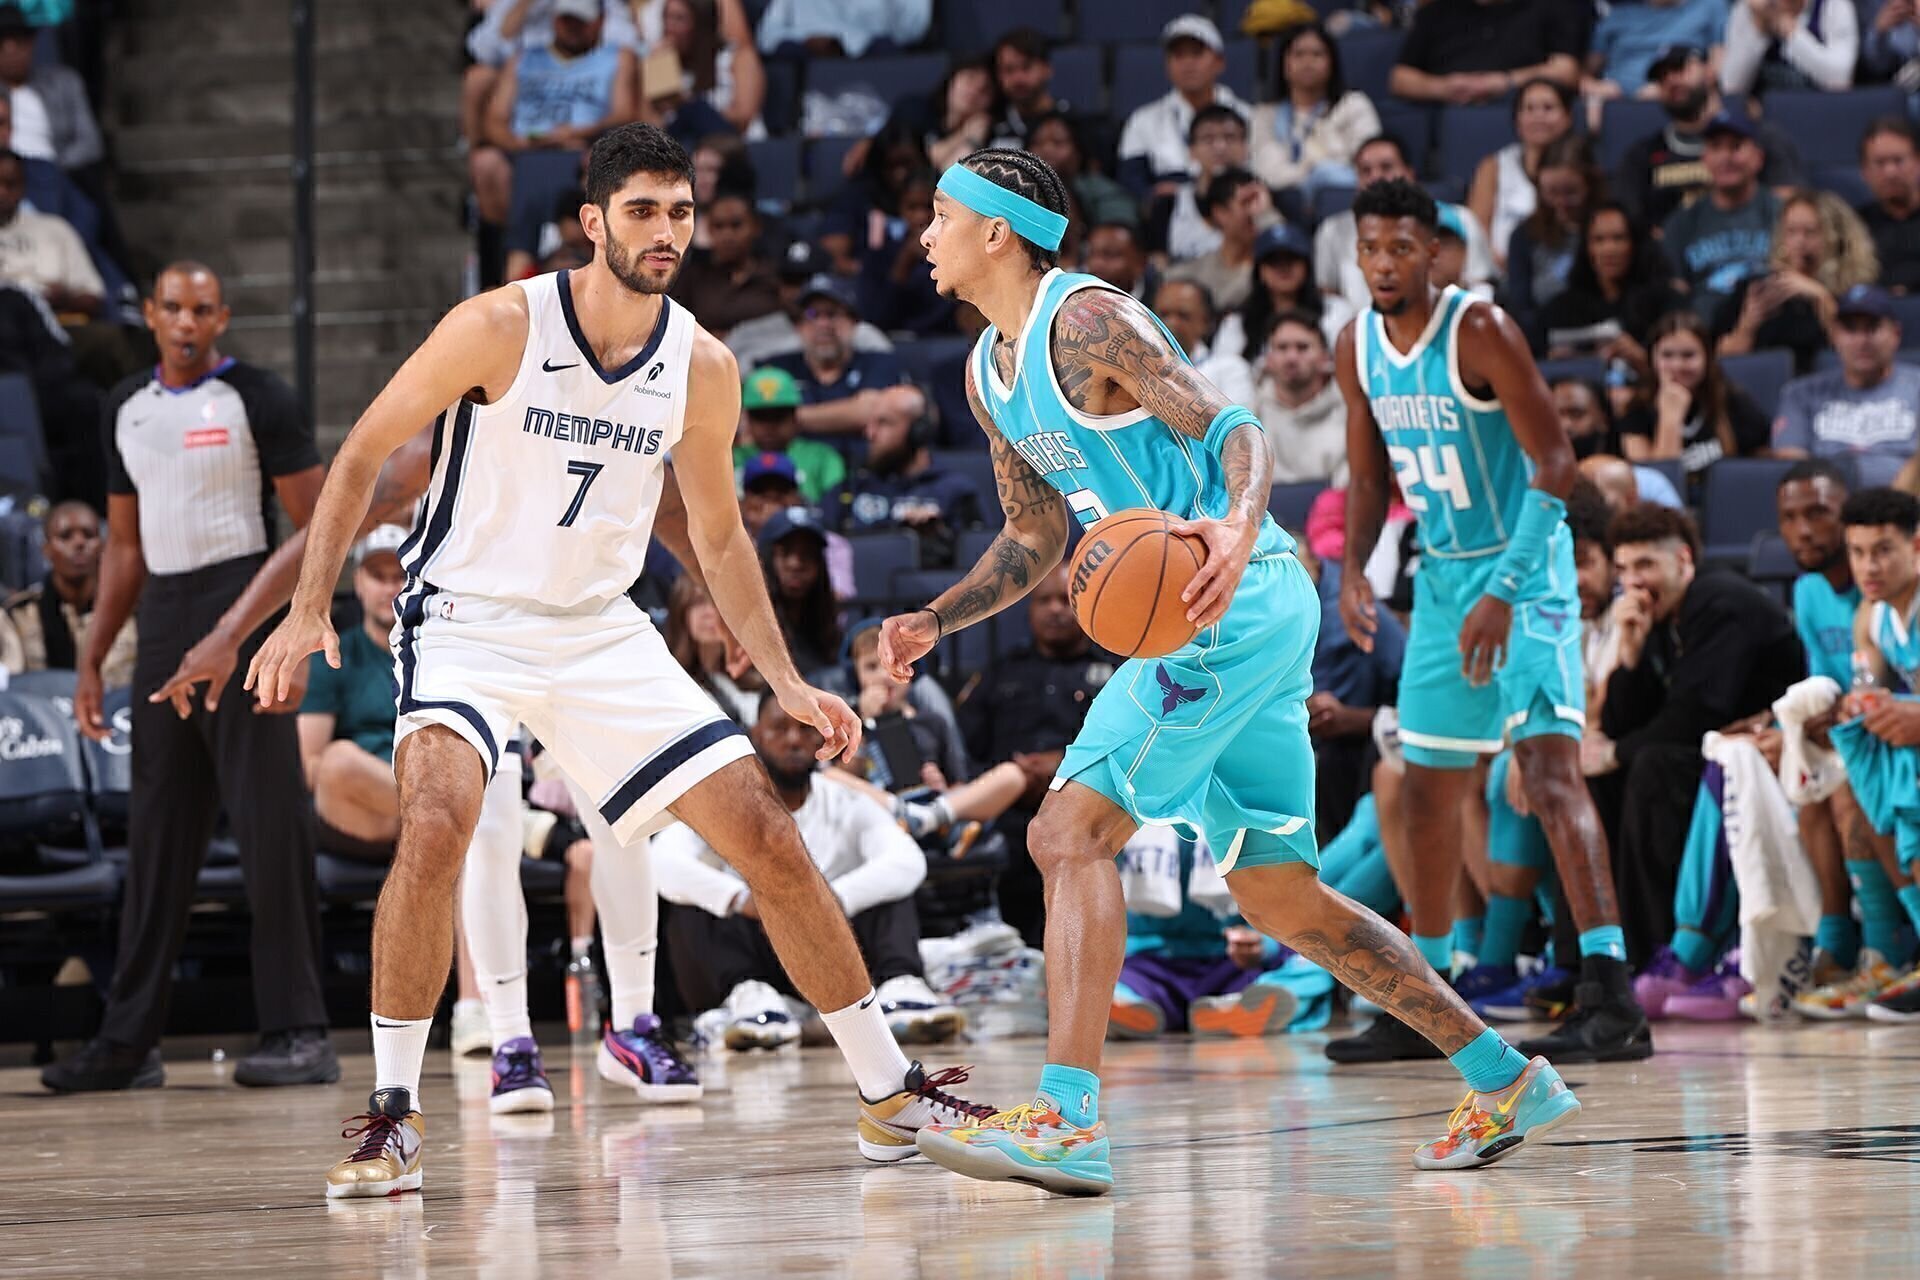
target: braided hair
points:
(1024, 174)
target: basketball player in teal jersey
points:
(1442, 390)
(1090, 407)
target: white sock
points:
(629, 907)
(872, 1054)
(493, 909)
(581, 947)
(399, 1044)
(506, 1001)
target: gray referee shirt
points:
(202, 459)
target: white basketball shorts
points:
(601, 691)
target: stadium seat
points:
(1830, 124)
(1367, 56)
(891, 76)
(1289, 503)
(1760, 374)
(22, 442)
(824, 157)
(776, 171)
(1906, 309)
(1412, 123)
(1673, 469)
(1116, 21)
(877, 556)
(1770, 561)
(1623, 122)
(342, 880)
(781, 110)
(1586, 368)
(1738, 505)
(923, 359)
(1243, 69)
(970, 27)
(43, 800)
(1080, 77)
(1466, 135)
(1844, 181)
(957, 427)
(109, 764)
(1139, 76)
(976, 464)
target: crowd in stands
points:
(1704, 215)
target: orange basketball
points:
(1127, 582)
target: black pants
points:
(184, 772)
(714, 954)
(1657, 809)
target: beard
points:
(627, 268)
(788, 779)
(1690, 107)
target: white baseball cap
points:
(384, 539)
(1191, 26)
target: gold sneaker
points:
(890, 1127)
(387, 1161)
(1849, 998)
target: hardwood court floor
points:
(1735, 1152)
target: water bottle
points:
(1866, 688)
(583, 995)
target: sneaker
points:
(101, 1064)
(1033, 1143)
(645, 1059)
(1386, 1039)
(472, 1038)
(1825, 970)
(1261, 1009)
(1662, 979)
(888, 1126)
(1599, 1028)
(1131, 1018)
(519, 1081)
(1483, 980)
(757, 1018)
(1850, 997)
(1900, 1002)
(303, 1055)
(387, 1161)
(915, 1015)
(1514, 1003)
(1715, 998)
(1486, 1127)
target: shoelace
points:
(664, 1063)
(932, 1089)
(1467, 1117)
(1020, 1117)
(374, 1135)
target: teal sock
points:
(1880, 915)
(1839, 938)
(1506, 919)
(1607, 940)
(1489, 1064)
(1075, 1094)
(1437, 952)
(1694, 949)
(1910, 899)
(1468, 932)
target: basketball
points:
(1127, 583)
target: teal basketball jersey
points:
(1824, 619)
(1107, 463)
(1894, 637)
(1454, 455)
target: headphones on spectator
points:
(924, 431)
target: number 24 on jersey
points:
(1428, 469)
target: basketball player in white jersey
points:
(558, 401)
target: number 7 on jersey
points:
(588, 473)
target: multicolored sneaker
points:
(1032, 1143)
(889, 1125)
(519, 1081)
(1900, 1002)
(1662, 979)
(1262, 1009)
(1486, 1127)
(387, 1161)
(1715, 998)
(645, 1059)
(1133, 1017)
(1517, 1002)
(1848, 998)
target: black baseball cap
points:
(1734, 122)
(13, 22)
(1672, 58)
(791, 520)
(1865, 300)
(824, 284)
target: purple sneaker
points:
(519, 1081)
(1715, 998)
(645, 1060)
(1484, 980)
(1663, 978)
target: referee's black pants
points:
(184, 772)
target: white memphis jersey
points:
(547, 496)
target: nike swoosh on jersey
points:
(549, 366)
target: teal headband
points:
(991, 200)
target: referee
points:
(196, 451)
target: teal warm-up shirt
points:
(1824, 619)
(359, 696)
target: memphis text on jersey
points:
(576, 429)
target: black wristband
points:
(939, 628)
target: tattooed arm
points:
(1111, 357)
(1029, 545)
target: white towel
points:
(1206, 886)
(1150, 872)
(1809, 771)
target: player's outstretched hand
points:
(271, 674)
(905, 638)
(839, 727)
(1358, 611)
(1229, 546)
(1483, 639)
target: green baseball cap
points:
(770, 388)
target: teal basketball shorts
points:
(1212, 739)
(1540, 686)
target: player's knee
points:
(1058, 844)
(432, 842)
(1550, 775)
